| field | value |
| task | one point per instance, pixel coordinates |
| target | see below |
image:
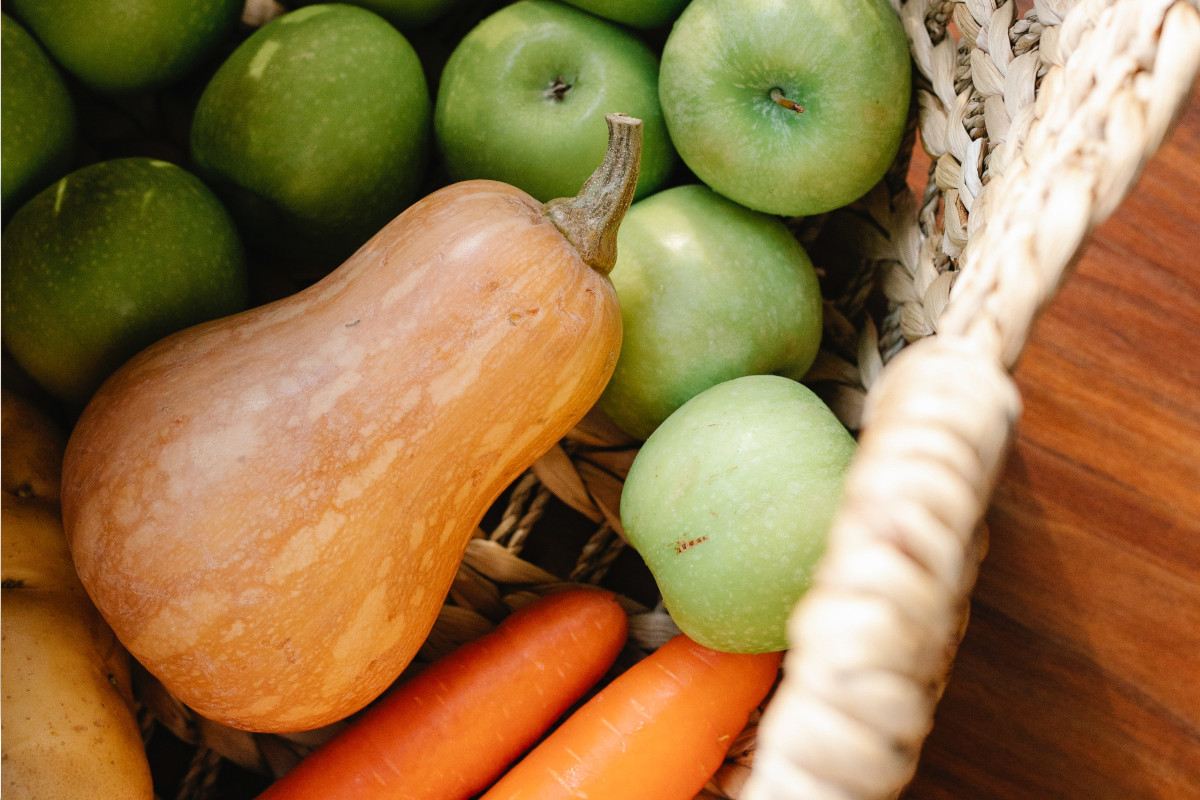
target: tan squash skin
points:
(269, 509)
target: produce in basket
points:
(69, 729)
(450, 731)
(269, 508)
(709, 291)
(522, 95)
(729, 502)
(1016, 185)
(40, 133)
(792, 108)
(315, 132)
(659, 731)
(32, 450)
(109, 259)
(131, 46)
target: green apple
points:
(316, 133)
(635, 13)
(790, 108)
(524, 94)
(729, 503)
(108, 260)
(38, 138)
(131, 45)
(709, 291)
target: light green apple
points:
(729, 504)
(315, 132)
(108, 260)
(524, 94)
(793, 108)
(39, 134)
(131, 45)
(709, 291)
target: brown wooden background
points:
(1079, 676)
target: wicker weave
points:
(1034, 143)
(1036, 125)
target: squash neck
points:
(590, 219)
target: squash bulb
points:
(269, 508)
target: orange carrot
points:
(658, 732)
(452, 729)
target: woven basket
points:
(1035, 119)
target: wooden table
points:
(1079, 676)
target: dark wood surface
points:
(1079, 676)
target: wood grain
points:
(1079, 676)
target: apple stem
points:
(590, 219)
(791, 105)
(557, 89)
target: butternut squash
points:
(269, 508)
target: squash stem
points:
(590, 219)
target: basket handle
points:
(872, 641)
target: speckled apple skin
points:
(709, 291)
(729, 502)
(109, 259)
(846, 62)
(315, 132)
